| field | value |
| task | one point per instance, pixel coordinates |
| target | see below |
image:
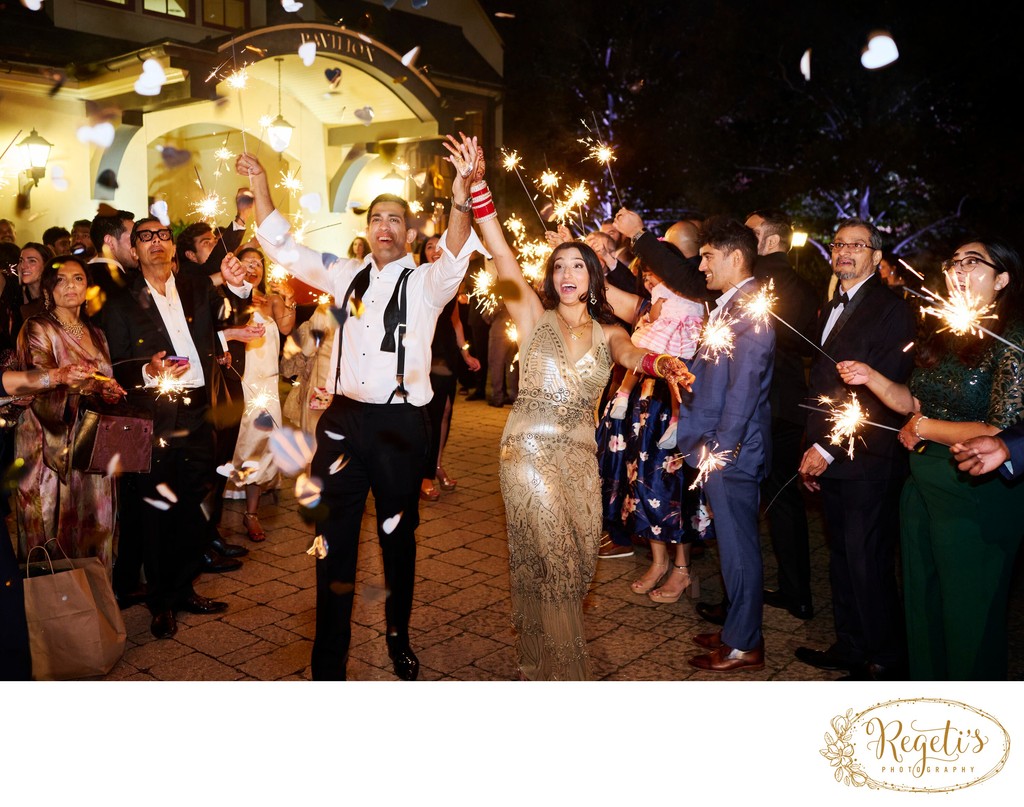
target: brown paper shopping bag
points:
(74, 625)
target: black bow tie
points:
(839, 299)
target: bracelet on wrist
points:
(917, 427)
(658, 368)
(647, 364)
(483, 202)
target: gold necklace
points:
(572, 332)
(75, 329)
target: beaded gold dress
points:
(552, 493)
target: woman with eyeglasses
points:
(274, 309)
(960, 534)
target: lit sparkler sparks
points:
(277, 274)
(210, 207)
(604, 154)
(224, 154)
(510, 161)
(258, 402)
(717, 338)
(577, 196)
(265, 121)
(415, 207)
(846, 420)
(324, 299)
(483, 292)
(710, 461)
(290, 182)
(549, 181)
(759, 306)
(512, 333)
(238, 79)
(170, 387)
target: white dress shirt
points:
(833, 318)
(723, 299)
(367, 373)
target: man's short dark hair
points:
(776, 222)
(877, 242)
(53, 234)
(187, 239)
(81, 223)
(389, 197)
(727, 234)
(114, 225)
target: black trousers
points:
(174, 538)
(863, 533)
(787, 516)
(385, 446)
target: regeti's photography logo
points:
(923, 745)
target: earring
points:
(593, 297)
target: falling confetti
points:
(880, 51)
(151, 79)
(319, 548)
(308, 490)
(307, 52)
(338, 464)
(389, 524)
(102, 134)
(292, 449)
(334, 435)
(159, 504)
(164, 490)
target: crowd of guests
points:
(692, 440)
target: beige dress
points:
(552, 493)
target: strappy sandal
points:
(646, 584)
(447, 483)
(256, 533)
(692, 587)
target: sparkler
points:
(846, 420)
(717, 338)
(277, 274)
(290, 182)
(548, 181)
(512, 333)
(510, 162)
(759, 306)
(963, 312)
(483, 292)
(709, 462)
(171, 387)
(603, 153)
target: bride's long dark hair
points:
(599, 310)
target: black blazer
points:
(874, 328)
(798, 306)
(680, 274)
(135, 330)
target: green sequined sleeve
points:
(1006, 402)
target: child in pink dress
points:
(671, 325)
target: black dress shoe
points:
(774, 599)
(228, 550)
(213, 561)
(876, 672)
(478, 395)
(825, 659)
(407, 666)
(201, 605)
(164, 625)
(713, 612)
(126, 599)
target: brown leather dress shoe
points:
(724, 659)
(709, 640)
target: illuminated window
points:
(224, 13)
(121, 3)
(171, 8)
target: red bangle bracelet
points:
(647, 364)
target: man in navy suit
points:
(728, 413)
(982, 455)
(868, 322)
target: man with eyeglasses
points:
(859, 485)
(164, 328)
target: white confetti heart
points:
(290, 5)
(311, 202)
(334, 435)
(319, 548)
(410, 58)
(292, 449)
(226, 469)
(32, 5)
(365, 115)
(152, 78)
(114, 466)
(307, 490)
(389, 524)
(164, 490)
(880, 51)
(159, 504)
(338, 464)
(159, 210)
(60, 183)
(805, 64)
(307, 52)
(102, 134)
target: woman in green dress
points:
(960, 534)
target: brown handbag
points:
(101, 434)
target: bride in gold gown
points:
(548, 460)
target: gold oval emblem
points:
(924, 745)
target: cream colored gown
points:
(551, 488)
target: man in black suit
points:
(160, 316)
(797, 306)
(866, 322)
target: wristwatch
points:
(635, 236)
(465, 207)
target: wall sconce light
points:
(35, 151)
(279, 131)
(393, 183)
